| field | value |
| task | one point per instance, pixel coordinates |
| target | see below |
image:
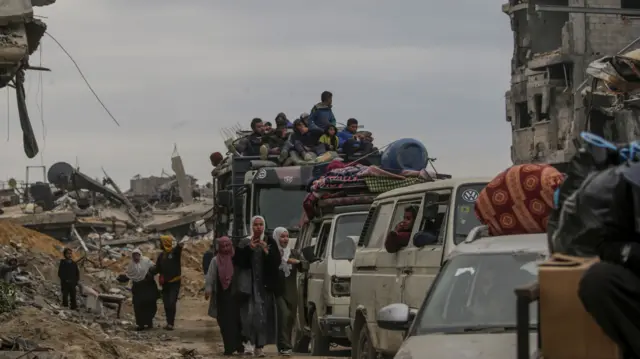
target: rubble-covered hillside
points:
(34, 321)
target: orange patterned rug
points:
(519, 200)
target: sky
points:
(177, 72)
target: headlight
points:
(340, 287)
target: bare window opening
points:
(547, 27)
(541, 116)
(523, 116)
(630, 4)
(521, 27)
(599, 123)
(563, 71)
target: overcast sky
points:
(179, 71)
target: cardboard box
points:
(567, 330)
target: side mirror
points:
(397, 316)
(309, 254)
(225, 198)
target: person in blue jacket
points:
(321, 115)
(350, 143)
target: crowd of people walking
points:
(251, 290)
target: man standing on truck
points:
(321, 114)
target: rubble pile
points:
(34, 319)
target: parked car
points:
(445, 213)
(470, 310)
(328, 243)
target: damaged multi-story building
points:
(545, 104)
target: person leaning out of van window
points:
(399, 237)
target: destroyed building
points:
(552, 50)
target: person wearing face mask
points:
(286, 292)
(220, 290)
(258, 259)
(69, 275)
(169, 266)
(143, 288)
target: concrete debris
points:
(36, 322)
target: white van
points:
(328, 242)
(446, 215)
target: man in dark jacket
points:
(610, 289)
(169, 267)
(321, 115)
(69, 275)
(250, 145)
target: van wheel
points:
(300, 339)
(365, 349)
(319, 343)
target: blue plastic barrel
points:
(405, 154)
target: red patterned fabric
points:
(519, 200)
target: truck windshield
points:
(475, 292)
(279, 207)
(346, 235)
(464, 217)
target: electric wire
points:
(83, 77)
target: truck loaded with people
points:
(267, 169)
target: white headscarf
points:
(286, 252)
(138, 271)
(253, 219)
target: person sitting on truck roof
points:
(329, 139)
(267, 128)
(321, 114)
(274, 142)
(304, 117)
(351, 142)
(304, 144)
(282, 121)
(250, 145)
(399, 237)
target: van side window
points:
(404, 218)
(323, 237)
(378, 229)
(433, 222)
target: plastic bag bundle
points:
(593, 202)
(518, 200)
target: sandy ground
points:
(196, 330)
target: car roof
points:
(535, 243)
(421, 187)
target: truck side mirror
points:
(309, 254)
(225, 198)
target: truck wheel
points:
(319, 343)
(300, 339)
(364, 346)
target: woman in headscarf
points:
(169, 266)
(258, 259)
(144, 289)
(286, 292)
(221, 292)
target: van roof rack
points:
(477, 233)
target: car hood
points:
(462, 346)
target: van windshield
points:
(346, 235)
(465, 217)
(475, 292)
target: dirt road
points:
(196, 330)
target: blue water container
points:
(405, 154)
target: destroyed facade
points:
(545, 103)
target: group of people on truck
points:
(313, 135)
(251, 288)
